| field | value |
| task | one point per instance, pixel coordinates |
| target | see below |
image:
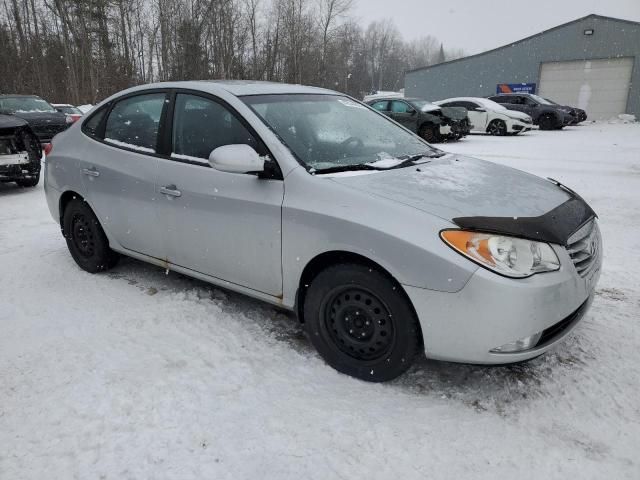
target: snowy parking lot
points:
(139, 374)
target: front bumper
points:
(516, 126)
(491, 311)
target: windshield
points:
(541, 100)
(24, 104)
(330, 131)
(490, 104)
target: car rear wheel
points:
(86, 239)
(497, 127)
(547, 122)
(430, 133)
(361, 323)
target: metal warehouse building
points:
(592, 63)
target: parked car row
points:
(453, 118)
(28, 123)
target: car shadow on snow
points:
(498, 389)
(10, 188)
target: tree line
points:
(81, 51)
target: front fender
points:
(321, 216)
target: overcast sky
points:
(478, 25)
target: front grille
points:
(584, 247)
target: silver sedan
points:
(382, 245)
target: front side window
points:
(201, 125)
(134, 122)
(328, 131)
(400, 107)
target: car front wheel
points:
(361, 323)
(547, 122)
(86, 239)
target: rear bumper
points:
(492, 311)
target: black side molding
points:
(555, 226)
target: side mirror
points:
(480, 109)
(238, 158)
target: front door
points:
(120, 174)
(478, 115)
(226, 225)
(404, 114)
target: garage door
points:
(600, 87)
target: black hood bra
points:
(555, 226)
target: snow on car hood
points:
(514, 114)
(430, 107)
(457, 186)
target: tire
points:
(86, 239)
(29, 182)
(547, 122)
(361, 323)
(497, 128)
(430, 133)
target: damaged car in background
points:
(44, 120)
(20, 152)
(432, 122)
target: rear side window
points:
(92, 125)
(201, 125)
(134, 122)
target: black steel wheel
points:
(361, 322)
(497, 127)
(358, 323)
(86, 239)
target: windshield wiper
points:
(412, 159)
(348, 168)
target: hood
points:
(515, 114)
(480, 195)
(36, 119)
(11, 121)
(430, 107)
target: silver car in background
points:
(310, 200)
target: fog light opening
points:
(521, 345)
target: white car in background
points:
(490, 117)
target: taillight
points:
(47, 148)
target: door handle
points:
(91, 172)
(170, 190)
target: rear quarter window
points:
(92, 125)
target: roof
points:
(239, 87)
(539, 34)
(16, 95)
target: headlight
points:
(509, 256)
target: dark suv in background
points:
(430, 121)
(546, 115)
(44, 120)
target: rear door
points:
(120, 172)
(226, 225)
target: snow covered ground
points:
(135, 374)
